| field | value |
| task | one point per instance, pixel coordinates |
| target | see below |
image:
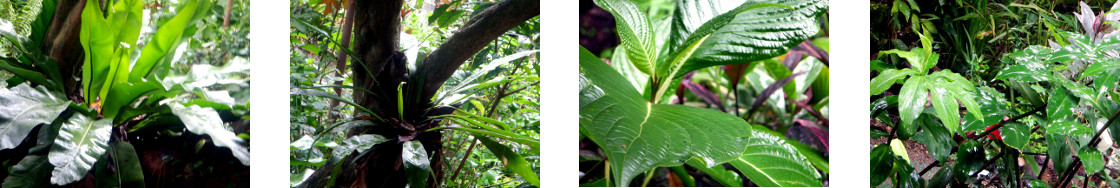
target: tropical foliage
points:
(633, 126)
(1038, 114)
(483, 120)
(134, 94)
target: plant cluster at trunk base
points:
(632, 124)
(415, 93)
(1046, 117)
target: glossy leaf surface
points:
(511, 160)
(416, 164)
(22, 108)
(635, 31)
(359, 143)
(637, 135)
(80, 142)
(1091, 158)
(205, 121)
(770, 162)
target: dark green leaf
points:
(937, 139)
(719, 173)
(882, 161)
(359, 143)
(416, 164)
(637, 135)
(1016, 135)
(1057, 147)
(124, 170)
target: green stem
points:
(649, 175)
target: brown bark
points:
(62, 43)
(229, 8)
(472, 37)
(340, 64)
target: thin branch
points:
(1001, 123)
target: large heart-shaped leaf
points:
(751, 31)
(22, 108)
(205, 121)
(638, 135)
(416, 163)
(79, 144)
(770, 162)
(635, 32)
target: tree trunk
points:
(380, 68)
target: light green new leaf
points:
(416, 164)
(887, 78)
(97, 38)
(945, 105)
(753, 31)
(770, 162)
(205, 121)
(79, 144)
(511, 160)
(635, 32)
(1091, 157)
(22, 108)
(154, 57)
(638, 136)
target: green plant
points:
(638, 133)
(125, 89)
(1049, 96)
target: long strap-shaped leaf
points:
(22, 108)
(79, 144)
(167, 38)
(511, 160)
(637, 135)
(770, 162)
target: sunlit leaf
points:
(205, 121)
(770, 162)
(22, 108)
(79, 144)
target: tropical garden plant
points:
(1042, 118)
(99, 94)
(633, 126)
(415, 93)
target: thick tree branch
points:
(472, 37)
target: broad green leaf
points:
(770, 162)
(1091, 158)
(304, 143)
(921, 59)
(638, 136)
(945, 105)
(24, 107)
(359, 143)
(79, 144)
(1066, 127)
(1060, 105)
(1057, 146)
(416, 164)
(912, 99)
(993, 108)
(621, 63)
(754, 30)
(635, 31)
(205, 121)
(1016, 135)
(962, 90)
(124, 170)
(1027, 65)
(882, 160)
(31, 171)
(719, 173)
(970, 156)
(511, 160)
(887, 78)
(1105, 73)
(938, 141)
(154, 57)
